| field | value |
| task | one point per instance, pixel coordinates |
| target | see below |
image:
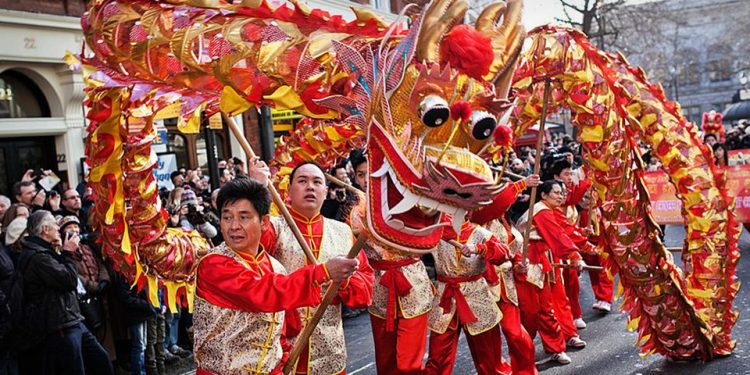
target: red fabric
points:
(572, 291)
(499, 205)
(400, 351)
(453, 292)
(576, 192)
(311, 229)
(485, 348)
(520, 344)
(553, 233)
(562, 308)
(396, 283)
(538, 314)
(224, 282)
(602, 285)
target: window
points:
(693, 114)
(686, 70)
(178, 145)
(200, 149)
(20, 97)
(719, 66)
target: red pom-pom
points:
(461, 110)
(467, 50)
(503, 135)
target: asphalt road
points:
(610, 347)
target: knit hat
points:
(14, 230)
(188, 197)
(67, 220)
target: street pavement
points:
(610, 347)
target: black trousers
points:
(73, 350)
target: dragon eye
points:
(434, 111)
(482, 125)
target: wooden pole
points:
(344, 185)
(586, 267)
(508, 173)
(537, 161)
(331, 292)
(274, 193)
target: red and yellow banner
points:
(667, 208)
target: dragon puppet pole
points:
(537, 160)
(508, 173)
(301, 341)
(272, 189)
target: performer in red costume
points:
(502, 279)
(535, 291)
(326, 352)
(464, 301)
(242, 292)
(562, 171)
(601, 282)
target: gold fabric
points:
(231, 341)
(419, 299)
(327, 349)
(449, 262)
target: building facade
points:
(42, 121)
(697, 49)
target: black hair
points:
(546, 187)
(18, 185)
(237, 161)
(291, 175)
(174, 174)
(245, 188)
(357, 157)
(559, 166)
(712, 135)
(726, 153)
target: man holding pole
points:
(242, 292)
(503, 278)
(325, 352)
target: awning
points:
(737, 111)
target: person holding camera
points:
(192, 216)
(339, 201)
(91, 272)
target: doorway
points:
(17, 155)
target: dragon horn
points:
(507, 40)
(439, 17)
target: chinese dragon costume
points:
(425, 101)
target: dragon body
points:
(424, 101)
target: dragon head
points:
(430, 104)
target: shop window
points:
(20, 97)
(178, 145)
(200, 149)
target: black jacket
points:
(6, 272)
(50, 282)
(132, 306)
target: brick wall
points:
(72, 8)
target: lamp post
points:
(674, 72)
